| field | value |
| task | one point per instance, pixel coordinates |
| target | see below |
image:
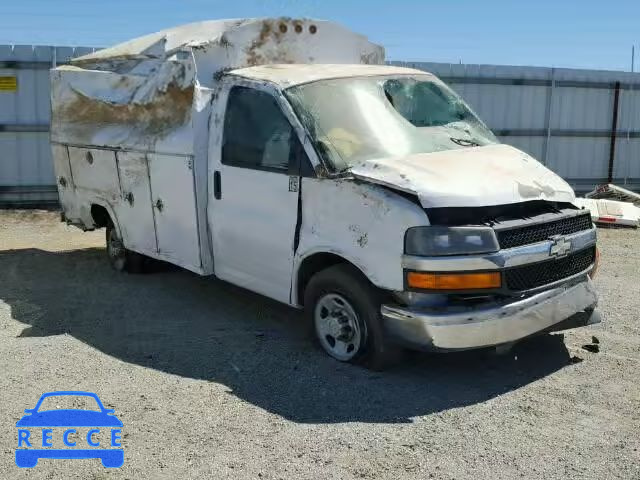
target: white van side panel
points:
(363, 223)
(201, 117)
(150, 197)
(64, 179)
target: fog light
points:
(453, 281)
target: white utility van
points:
(283, 156)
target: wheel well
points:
(314, 264)
(101, 217)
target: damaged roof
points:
(210, 47)
(289, 75)
(165, 43)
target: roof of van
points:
(248, 41)
(158, 44)
(289, 75)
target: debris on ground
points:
(611, 212)
(614, 192)
(590, 347)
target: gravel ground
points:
(213, 381)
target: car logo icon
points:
(560, 246)
(36, 432)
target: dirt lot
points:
(213, 381)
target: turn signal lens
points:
(453, 281)
(596, 264)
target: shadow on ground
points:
(176, 322)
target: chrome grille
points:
(528, 234)
(536, 275)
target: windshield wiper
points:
(464, 143)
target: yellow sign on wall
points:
(8, 84)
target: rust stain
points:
(270, 31)
(253, 57)
(224, 41)
(362, 238)
(168, 110)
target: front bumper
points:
(440, 329)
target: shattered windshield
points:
(352, 120)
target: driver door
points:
(254, 196)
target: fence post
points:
(547, 139)
(614, 129)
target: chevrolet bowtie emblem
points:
(560, 246)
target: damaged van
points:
(285, 157)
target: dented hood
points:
(468, 177)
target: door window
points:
(256, 135)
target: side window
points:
(256, 132)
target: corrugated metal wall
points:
(26, 168)
(563, 117)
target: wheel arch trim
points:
(297, 295)
(110, 211)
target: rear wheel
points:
(344, 311)
(120, 258)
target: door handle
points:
(217, 186)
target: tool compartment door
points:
(173, 199)
(134, 212)
(95, 170)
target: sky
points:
(560, 33)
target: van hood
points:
(469, 177)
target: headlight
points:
(436, 241)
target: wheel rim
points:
(115, 250)
(337, 327)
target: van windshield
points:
(355, 119)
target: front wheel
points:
(344, 310)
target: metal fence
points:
(583, 124)
(26, 168)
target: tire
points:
(343, 309)
(121, 259)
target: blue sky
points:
(561, 33)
